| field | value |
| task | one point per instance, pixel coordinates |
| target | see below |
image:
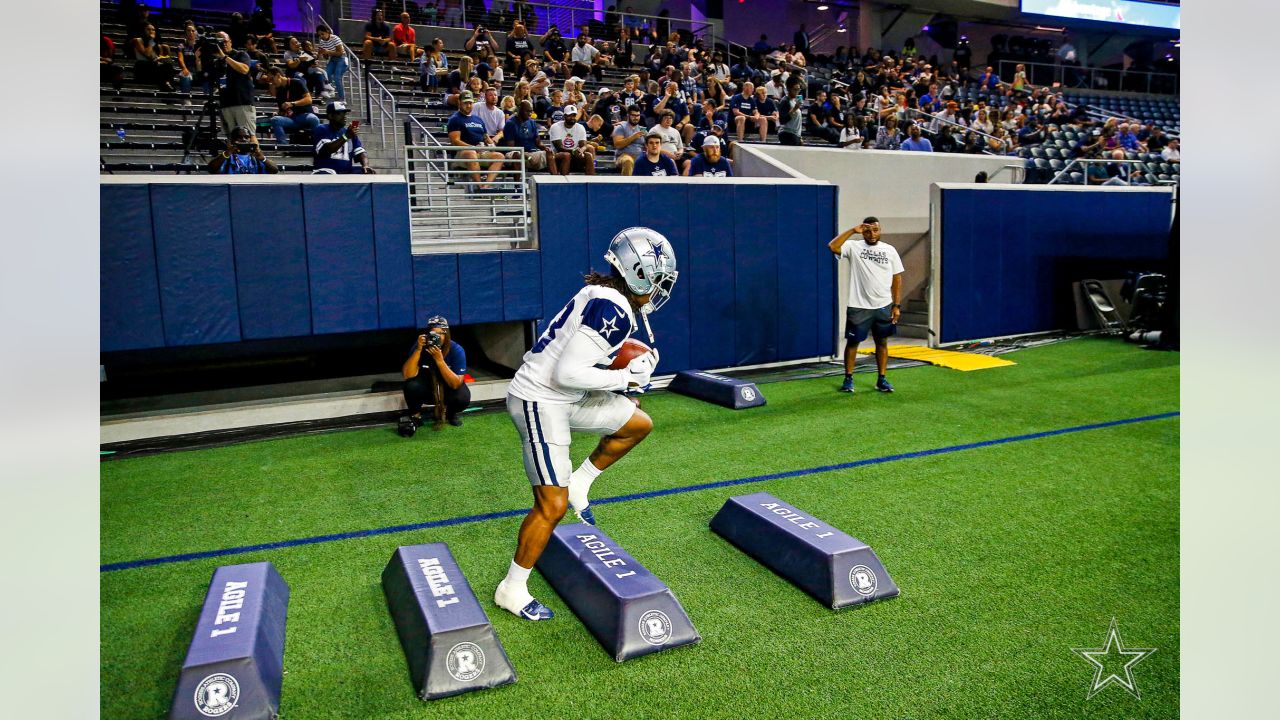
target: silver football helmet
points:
(647, 263)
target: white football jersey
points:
(603, 314)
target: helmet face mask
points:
(647, 264)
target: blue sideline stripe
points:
(111, 567)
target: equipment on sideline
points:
(964, 361)
(718, 389)
(631, 612)
(630, 350)
(446, 635)
(835, 568)
(235, 663)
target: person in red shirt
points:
(405, 38)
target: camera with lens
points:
(434, 340)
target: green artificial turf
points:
(1007, 556)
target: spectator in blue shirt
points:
(710, 163)
(338, 149)
(653, 163)
(743, 106)
(1128, 140)
(242, 156)
(521, 132)
(467, 130)
(915, 142)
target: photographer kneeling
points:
(433, 375)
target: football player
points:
(563, 385)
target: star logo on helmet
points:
(657, 251)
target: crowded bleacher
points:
(176, 85)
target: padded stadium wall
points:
(1005, 258)
(202, 261)
(757, 284)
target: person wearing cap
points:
(610, 109)
(653, 163)
(569, 138)
(434, 375)
(875, 288)
(710, 163)
(554, 51)
(337, 145)
(242, 156)
(628, 140)
(467, 130)
(679, 109)
(776, 88)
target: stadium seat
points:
(1057, 165)
(1076, 178)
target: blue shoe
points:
(586, 516)
(848, 385)
(883, 386)
(536, 611)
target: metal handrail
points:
(449, 211)
(1128, 178)
(1061, 70)
(350, 10)
(377, 99)
(1004, 142)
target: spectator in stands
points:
(624, 49)
(762, 46)
(791, 115)
(888, 137)
(710, 163)
(610, 109)
(491, 114)
(110, 72)
(628, 140)
(597, 131)
(988, 80)
(981, 177)
(293, 101)
(519, 49)
(1172, 153)
(672, 142)
(236, 96)
(743, 107)
(585, 57)
(259, 58)
(405, 37)
(334, 52)
(653, 163)
(569, 138)
(522, 132)
(302, 65)
(1128, 140)
(818, 119)
(800, 41)
(573, 94)
(508, 106)
(554, 52)
(555, 109)
(188, 57)
(153, 64)
(435, 375)
(852, 135)
(337, 144)
(430, 63)
(467, 130)
(455, 82)
(238, 29)
(776, 88)
(260, 24)
(768, 113)
(452, 13)
(480, 46)
(242, 156)
(983, 123)
(1156, 139)
(377, 38)
(671, 101)
(915, 142)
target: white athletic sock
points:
(513, 591)
(580, 484)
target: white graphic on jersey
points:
(609, 327)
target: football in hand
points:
(630, 350)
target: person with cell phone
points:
(338, 150)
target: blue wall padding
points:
(479, 288)
(129, 292)
(710, 277)
(195, 264)
(827, 268)
(394, 261)
(798, 261)
(563, 241)
(756, 260)
(340, 254)
(1009, 257)
(521, 285)
(435, 286)
(272, 286)
(671, 324)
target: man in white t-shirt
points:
(875, 282)
(569, 138)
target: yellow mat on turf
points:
(945, 358)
